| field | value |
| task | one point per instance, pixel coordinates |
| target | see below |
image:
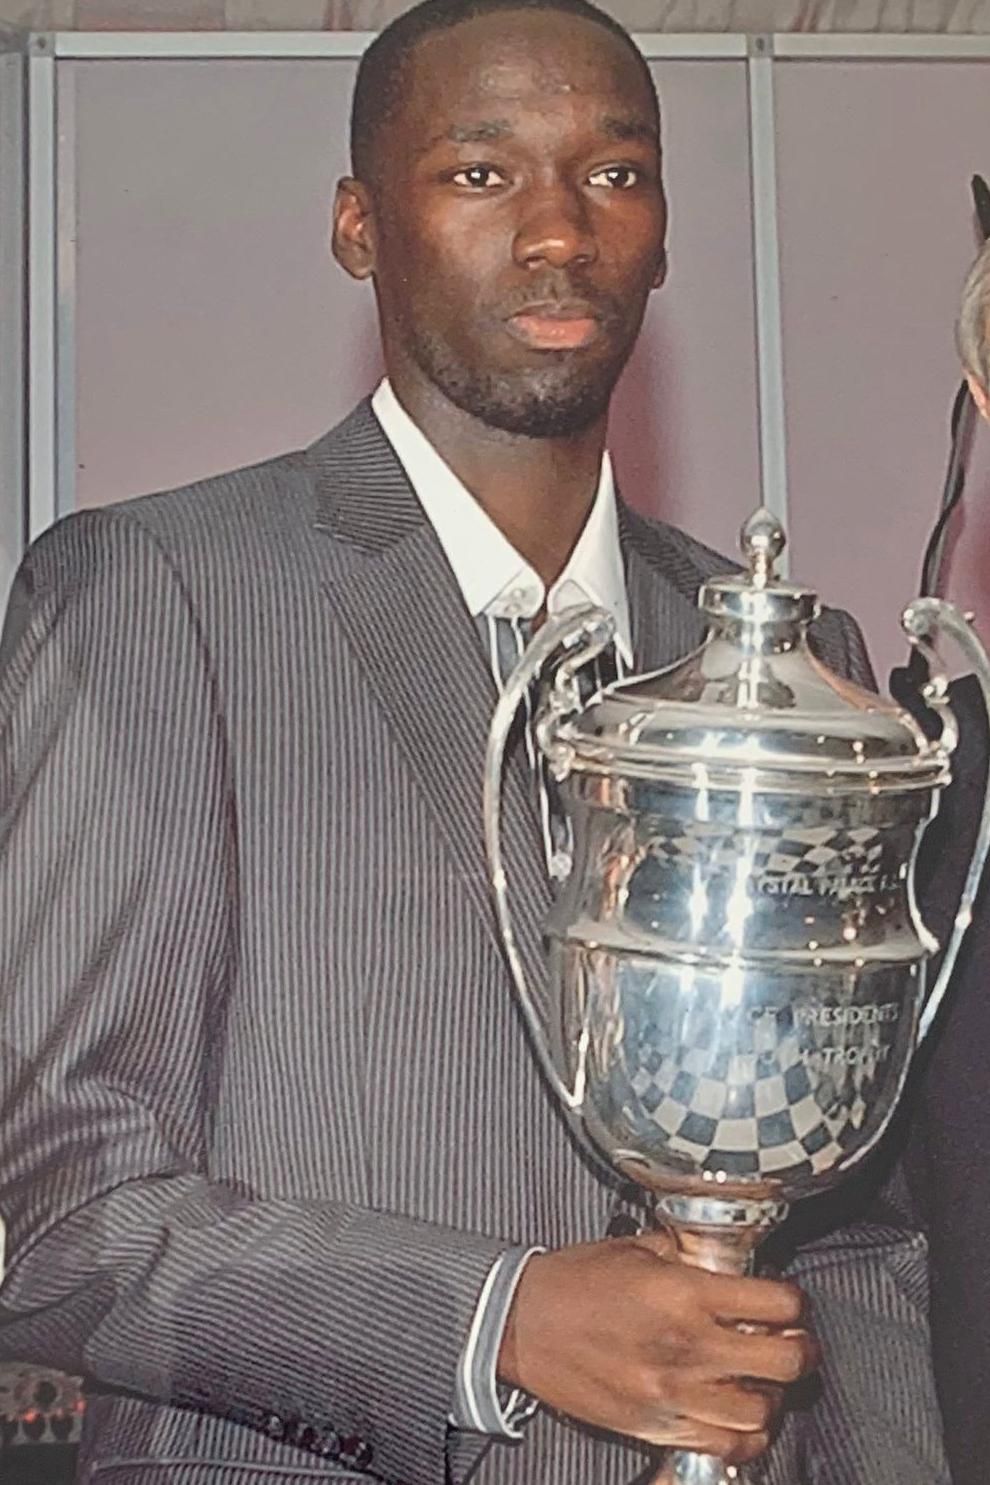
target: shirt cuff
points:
(480, 1404)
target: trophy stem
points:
(681, 1467)
(721, 1236)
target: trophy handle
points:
(923, 621)
(577, 635)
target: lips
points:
(555, 327)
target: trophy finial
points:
(762, 540)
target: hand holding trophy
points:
(737, 967)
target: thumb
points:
(660, 1241)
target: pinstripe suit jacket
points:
(268, 1109)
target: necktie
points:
(505, 641)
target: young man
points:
(277, 1156)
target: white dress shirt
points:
(498, 583)
(491, 574)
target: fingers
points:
(773, 1302)
(659, 1241)
(731, 1298)
(689, 1433)
(758, 1331)
(728, 1406)
(784, 1357)
(623, 1337)
(730, 1421)
(713, 1423)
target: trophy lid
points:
(753, 696)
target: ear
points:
(980, 395)
(353, 236)
(660, 268)
(660, 275)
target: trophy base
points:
(721, 1236)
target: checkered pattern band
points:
(801, 1089)
(819, 851)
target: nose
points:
(554, 230)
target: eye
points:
(478, 177)
(615, 177)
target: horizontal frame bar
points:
(655, 45)
(702, 46)
(272, 45)
(870, 47)
(183, 45)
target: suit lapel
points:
(398, 602)
(662, 592)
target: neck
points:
(538, 491)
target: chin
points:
(548, 404)
(562, 397)
(542, 417)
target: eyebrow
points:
(630, 128)
(487, 130)
(480, 133)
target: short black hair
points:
(379, 84)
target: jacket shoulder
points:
(218, 535)
(835, 636)
(685, 560)
(236, 516)
(260, 496)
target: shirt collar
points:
(491, 574)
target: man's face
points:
(518, 218)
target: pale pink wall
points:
(874, 161)
(213, 329)
(685, 426)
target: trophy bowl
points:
(736, 963)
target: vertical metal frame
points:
(65, 289)
(13, 495)
(42, 421)
(766, 280)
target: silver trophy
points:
(737, 964)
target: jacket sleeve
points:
(838, 640)
(127, 1263)
(876, 1417)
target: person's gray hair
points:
(973, 324)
